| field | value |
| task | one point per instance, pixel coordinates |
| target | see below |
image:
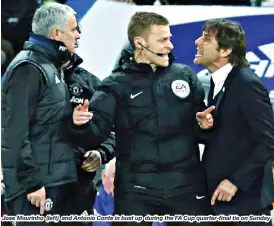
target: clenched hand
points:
(92, 162)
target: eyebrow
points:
(206, 35)
(165, 37)
(74, 28)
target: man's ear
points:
(55, 34)
(138, 43)
(226, 52)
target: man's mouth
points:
(165, 55)
(199, 53)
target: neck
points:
(215, 66)
(140, 58)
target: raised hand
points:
(205, 118)
(81, 115)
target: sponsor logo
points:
(139, 187)
(77, 100)
(180, 88)
(132, 96)
(200, 197)
(262, 66)
(62, 48)
(57, 80)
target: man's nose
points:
(170, 45)
(77, 35)
(198, 41)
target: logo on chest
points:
(75, 90)
(180, 88)
(132, 96)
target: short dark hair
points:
(229, 34)
(141, 22)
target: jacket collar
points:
(56, 51)
(75, 61)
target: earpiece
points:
(139, 43)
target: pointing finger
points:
(42, 206)
(85, 105)
(214, 196)
(209, 110)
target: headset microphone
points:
(158, 54)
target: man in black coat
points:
(238, 151)
(151, 104)
(38, 158)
